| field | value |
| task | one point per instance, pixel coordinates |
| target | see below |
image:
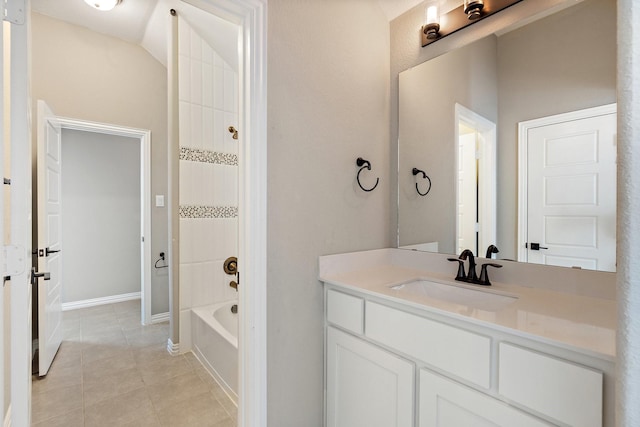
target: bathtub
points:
(214, 335)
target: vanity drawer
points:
(562, 390)
(456, 351)
(345, 311)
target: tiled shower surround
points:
(208, 97)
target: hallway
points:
(112, 371)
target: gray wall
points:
(100, 191)
(428, 94)
(85, 75)
(328, 104)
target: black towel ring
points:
(362, 163)
(416, 171)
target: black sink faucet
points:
(492, 249)
(471, 275)
(484, 275)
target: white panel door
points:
(49, 237)
(571, 195)
(445, 403)
(366, 386)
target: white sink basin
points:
(455, 294)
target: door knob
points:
(45, 252)
(535, 246)
(48, 251)
(36, 275)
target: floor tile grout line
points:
(88, 330)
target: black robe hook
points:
(362, 163)
(416, 171)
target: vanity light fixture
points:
(441, 21)
(473, 8)
(103, 5)
(432, 20)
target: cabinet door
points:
(366, 386)
(444, 403)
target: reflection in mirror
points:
(562, 63)
(476, 181)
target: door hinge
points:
(14, 11)
(15, 260)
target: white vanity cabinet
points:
(368, 386)
(391, 365)
(445, 403)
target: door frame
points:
(487, 207)
(21, 205)
(144, 136)
(251, 17)
(2, 220)
(523, 159)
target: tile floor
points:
(112, 371)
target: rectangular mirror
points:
(510, 141)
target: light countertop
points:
(579, 322)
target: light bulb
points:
(432, 15)
(103, 5)
(432, 21)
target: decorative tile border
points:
(191, 211)
(206, 156)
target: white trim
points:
(7, 417)
(3, 265)
(144, 136)
(251, 16)
(21, 220)
(523, 161)
(75, 305)
(215, 375)
(488, 166)
(160, 317)
(173, 349)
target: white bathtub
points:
(214, 334)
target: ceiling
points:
(127, 21)
(394, 8)
(144, 22)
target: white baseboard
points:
(173, 349)
(7, 417)
(74, 305)
(160, 317)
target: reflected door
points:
(571, 197)
(476, 181)
(467, 232)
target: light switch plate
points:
(159, 200)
